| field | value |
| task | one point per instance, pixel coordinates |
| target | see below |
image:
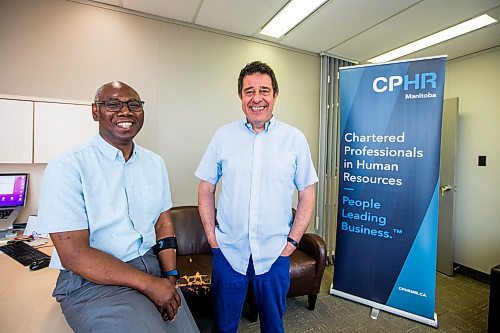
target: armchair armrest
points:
(315, 246)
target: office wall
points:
(188, 77)
(476, 82)
(198, 93)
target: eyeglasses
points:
(115, 105)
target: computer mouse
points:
(39, 264)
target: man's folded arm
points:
(99, 267)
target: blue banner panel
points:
(390, 138)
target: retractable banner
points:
(390, 127)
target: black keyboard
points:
(5, 213)
(23, 253)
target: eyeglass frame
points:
(122, 104)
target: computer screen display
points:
(13, 188)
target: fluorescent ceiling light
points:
(289, 16)
(457, 30)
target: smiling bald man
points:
(106, 206)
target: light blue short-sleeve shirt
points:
(260, 173)
(92, 187)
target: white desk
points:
(26, 302)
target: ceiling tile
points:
(419, 21)
(184, 10)
(117, 3)
(473, 42)
(339, 20)
(238, 16)
(351, 29)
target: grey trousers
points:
(90, 307)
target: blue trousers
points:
(229, 289)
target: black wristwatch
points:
(293, 241)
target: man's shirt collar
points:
(109, 150)
(268, 126)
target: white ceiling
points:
(352, 29)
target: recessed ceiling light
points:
(457, 30)
(289, 16)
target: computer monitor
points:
(13, 190)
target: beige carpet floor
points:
(461, 306)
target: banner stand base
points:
(376, 307)
(374, 313)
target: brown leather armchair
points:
(194, 259)
(194, 263)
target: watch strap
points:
(172, 272)
(292, 241)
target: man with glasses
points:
(106, 206)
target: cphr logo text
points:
(417, 82)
